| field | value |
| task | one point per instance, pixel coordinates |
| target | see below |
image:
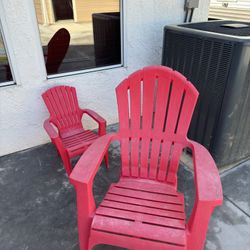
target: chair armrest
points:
(100, 120)
(87, 166)
(206, 174)
(208, 196)
(82, 178)
(94, 115)
(50, 130)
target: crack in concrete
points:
(234, 204)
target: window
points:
(79, 35)
(5, 70)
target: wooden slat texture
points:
(164, 81)
(58, 106)
(147, 186)
(142, 209)
(85, 135)
(123, 108)
(163, 166)
(145, 144)
(63, 107)
(185, 115)
(135, 157)
(142, 230)
(123, 105)
(174, 104)
(174, 163)
(135, 111)
(132, 242)
(148, 91)
(143, 217)
(154, 158)
(155, 104)
(68, 106)
(146, 196)
(160, 109)
(65, 127)
(125, 157)
(187, 109)
(145, 203)
(62, 99)
(135, 208)
(149, 83)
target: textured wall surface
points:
(22, 111)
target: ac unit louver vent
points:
(216, 64)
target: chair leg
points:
(67, 163)
(106, 159)
(198, 225)
(91, 244)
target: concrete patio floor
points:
(37, 209)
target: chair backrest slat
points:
(155, 105)
(63, 107)
(135, 114)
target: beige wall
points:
(50, 11)
(235, 10)
(85, 8)
(39, 14)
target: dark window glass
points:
(79, 34)
(5, 72)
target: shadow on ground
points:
(37, 209)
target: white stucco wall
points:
(22, 110)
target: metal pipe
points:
(191, 15)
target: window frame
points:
(9, 51)
(95, 69)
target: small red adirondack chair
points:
(144, 210)
(70, 139)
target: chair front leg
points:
(85, 211)
(198, 224)
(64, 155)
(66, 163)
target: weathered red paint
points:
(144, 210)
(70, 139)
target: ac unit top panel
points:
(227, 27)
(230, 30)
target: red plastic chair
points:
(65, 114)
(144, 210)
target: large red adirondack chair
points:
(144, 210)
(65, 114)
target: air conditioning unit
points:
(215, 57)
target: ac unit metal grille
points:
(206, 63)
(242, 138)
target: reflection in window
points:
(79, 34)
(5, 72)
